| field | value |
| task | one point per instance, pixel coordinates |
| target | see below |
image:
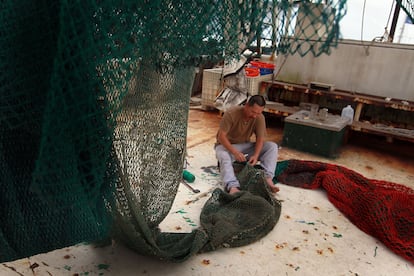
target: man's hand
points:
(253, 160)
(239, 156)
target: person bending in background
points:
(234, 143)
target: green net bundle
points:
(93, 117)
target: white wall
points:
(380, 69)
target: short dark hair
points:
(256, 99)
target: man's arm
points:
(223, 140)
(257, 149)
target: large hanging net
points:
(94, 99)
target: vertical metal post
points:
(394, 21)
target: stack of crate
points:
(211, 86)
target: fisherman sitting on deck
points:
(236, 128)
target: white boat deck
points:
(311, 238)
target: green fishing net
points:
(408, 8)
(94, 100)
(308, 26)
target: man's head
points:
(254, 106)
(256, 99)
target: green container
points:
(316, 136)
(189, 177)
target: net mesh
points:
(307, 26)
(408, 8)
(382, 209)
(94, 100)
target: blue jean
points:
(267, 158)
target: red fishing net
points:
(382, 209)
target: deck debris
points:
(303, 221)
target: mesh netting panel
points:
(408, 7)
(94, 100)
(308, 26)
(150, 138)
(382, 209)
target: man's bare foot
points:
(271, 185)
(234, 190)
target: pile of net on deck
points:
(382, 209)
(94, 99)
